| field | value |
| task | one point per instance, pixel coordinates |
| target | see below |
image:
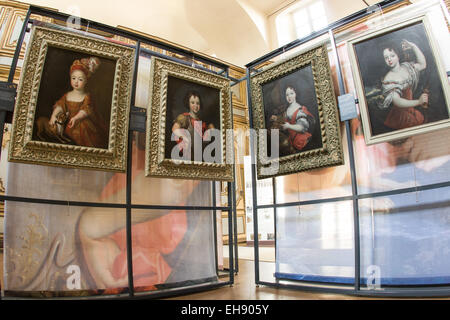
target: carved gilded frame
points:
(330, 153)
(156, 163)
(24, 149)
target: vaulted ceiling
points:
(231, 30)
(235, 31)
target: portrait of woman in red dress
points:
(401, 83)
(290, 106)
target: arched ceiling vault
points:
(222, 28)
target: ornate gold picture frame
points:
(73, 102)
(400, 81)
(295, 114)
(189, 123)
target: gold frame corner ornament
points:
(26, 150)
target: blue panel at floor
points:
(346, 280)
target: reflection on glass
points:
(170, 249)
(159, 191)
(264, 191)
(316, 184)
(62, 251)
(417, 160)
(266, 225)
(405, 237)
(44, 182)
(315, 243)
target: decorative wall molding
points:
(12, 16)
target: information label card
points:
(347, 107)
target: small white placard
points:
(347, 107)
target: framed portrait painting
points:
(73, 102)
(401, 85)
(189, 123)
(295, 114)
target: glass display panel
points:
(316, 243)
(264, 191)
(171, 248)
(159, 191)
(56, 183)
(53, 250)
(405, 239)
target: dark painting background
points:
(373, 69)
(55, 82)
(274, 97)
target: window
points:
(300, 21)
(283, 29)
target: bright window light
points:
(283, 29)
(301, 21)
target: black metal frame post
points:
(274, 192)
(230, 231)
(253, 152)
(213, 191)
(233, 194)
(352, 170)
(129, 169)
(235, 233)
(138, 126)
(410, 291)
